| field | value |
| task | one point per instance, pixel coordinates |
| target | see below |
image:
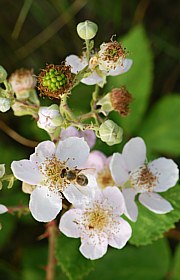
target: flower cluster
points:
(65, 172)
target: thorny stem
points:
(50, 270)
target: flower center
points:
(97, 218)
(52, 169)
(104, 178)
(142, 179)
(54, 80)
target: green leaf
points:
(150, 226)
(150, 262)
(138, 79)
(72, 263)
(175, 272)
(160, 129)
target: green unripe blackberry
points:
(55, 80)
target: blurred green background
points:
(36, 32)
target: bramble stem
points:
(50, 270)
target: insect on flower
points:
(74, 176)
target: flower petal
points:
(131, 210)
(45, 204)
(71, 131)
(121, 68)
(92, 79)
(73, 150)
(26, 171)
(95, 162)
(167, 173)
(120, 233)
(76, 63)
(94, 247)
(81, 195)
(134, 153)
(155, 203)
(3, 209)
(119, 170)
(89, 137)
(114, 199)
(44, 150)
(69, 223)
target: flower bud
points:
(118, 99)
(49, 118)
(2, 170)
(5, 104)
(22, 82)
(110, 133)
(3, 74)
(87, 30)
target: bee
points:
(73, 175)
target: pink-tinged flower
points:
(54, 171)
(98, 223)
(89, 135)
(95, 75)
(98, 165)
(145, 179)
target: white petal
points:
(134, 153)
(43, 151)
(69, 223)
(155, 203)
(92, 79)
(26, 171)
(131, 210)
(120, 234)
(120, 69)
(119, 170)
(44, 204)
(94, 247)
(114, 199)
(166, 171)
(81, 195)
(73, 150)
(3, 209)
(76, 63)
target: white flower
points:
(145, 178)
(2, 170)
(96, 76)
(49, 118)
(53, 170)
(89, 135)
(3, 209)
(98, 165)
(98, 223)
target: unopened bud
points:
(49, 118)
(110, 132)
(5, 104)
(3, 74)
(87, 30)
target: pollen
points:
(143, 179)
(51, 168)
(104, 178)
(97, 218)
